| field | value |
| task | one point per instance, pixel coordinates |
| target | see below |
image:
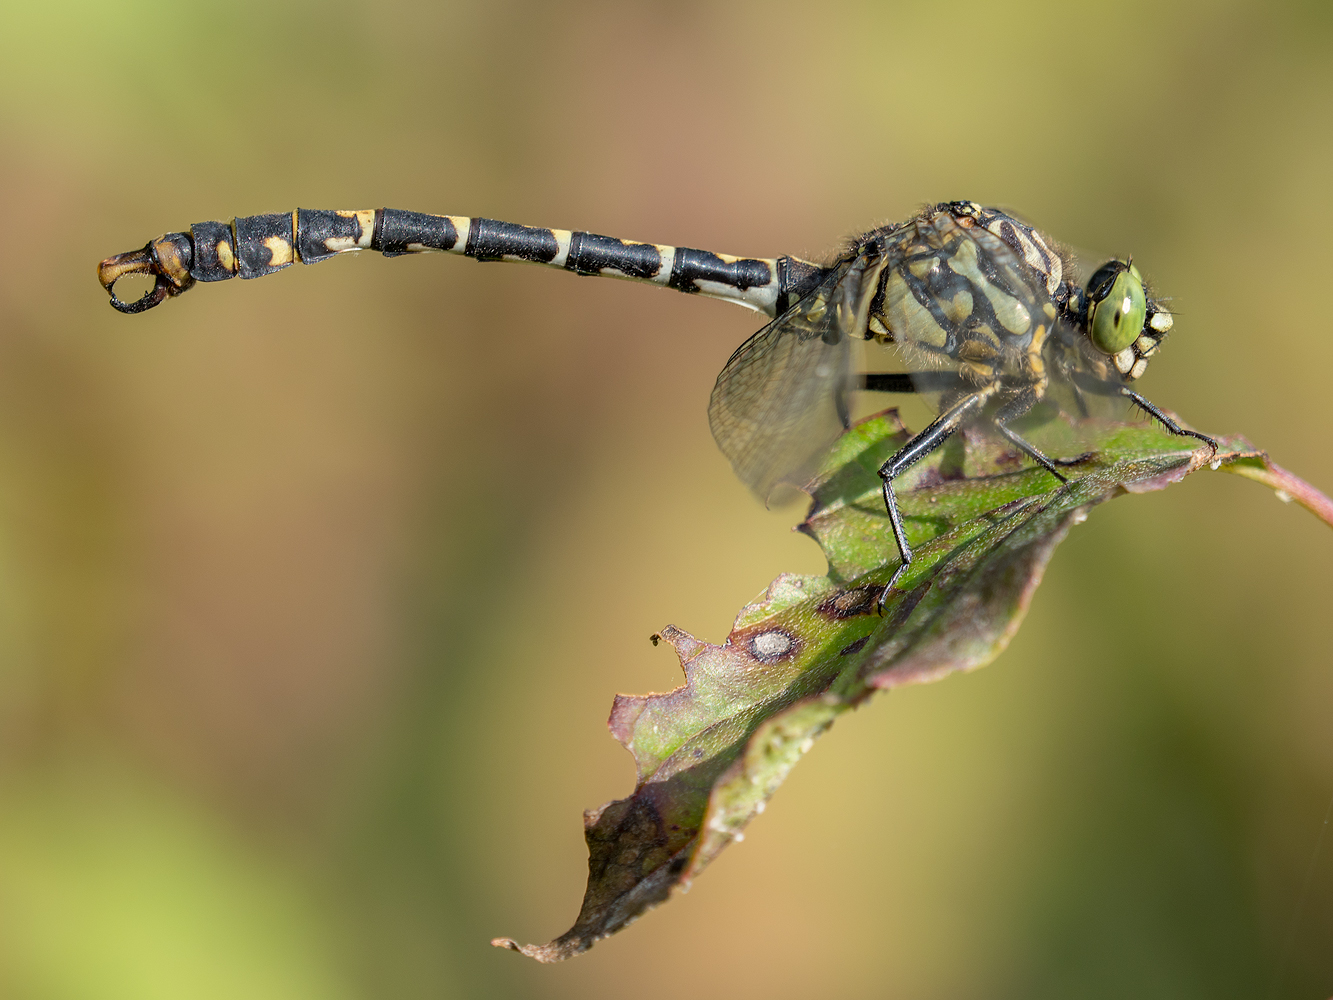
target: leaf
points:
(982, 524)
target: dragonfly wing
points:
(1083, 382)
(781, 400)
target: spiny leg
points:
(895, 382)
(908, 455)
(1012, 410)
(1032, 453)
(1164, 420)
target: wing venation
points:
(781, 400)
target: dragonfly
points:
(985, 312)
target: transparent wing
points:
(781, 400)
(1083, 382)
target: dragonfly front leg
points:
(907, 456)
(1163, 419)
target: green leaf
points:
(982, 523)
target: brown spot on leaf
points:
(851, 603)
(855, 647)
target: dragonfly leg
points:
(1163, 419)
(888, 382)
(905, 382)
(907, 456)
(1012, 410)
(1032, 453)
(904, 550)
(1080, 398)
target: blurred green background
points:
(315, 591)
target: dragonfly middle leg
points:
(1033, 453)
(1012, 410)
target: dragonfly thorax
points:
(974, 290)
(966, 291)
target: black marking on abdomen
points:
(315, 227)
(490, 239)
(396, 231)
(693, 266)
(263, 244)
(591, 254)
(797, 279)
(214, 256)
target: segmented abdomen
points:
(253, 246)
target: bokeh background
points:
(315, 591)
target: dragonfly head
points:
(1120, 320)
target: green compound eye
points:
(1119, 313)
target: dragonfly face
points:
(1119, 318)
